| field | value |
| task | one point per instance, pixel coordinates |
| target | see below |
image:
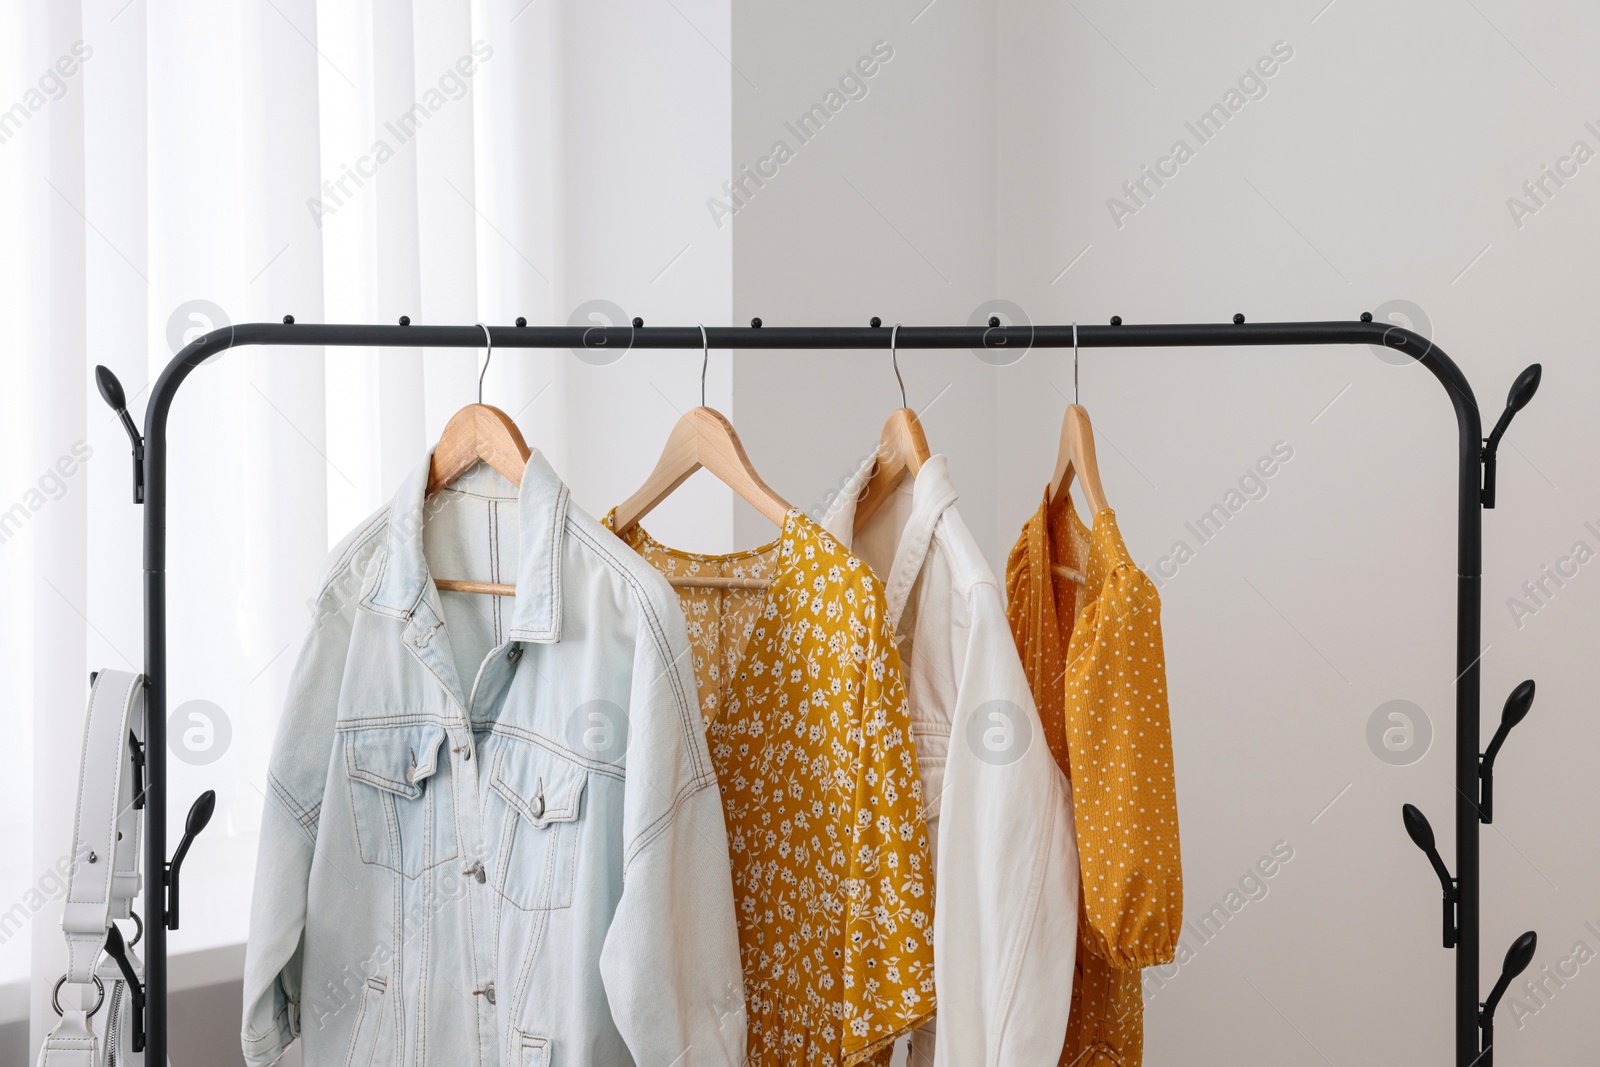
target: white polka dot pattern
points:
(1095, 664)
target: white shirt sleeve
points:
(1006, 919)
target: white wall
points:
(970, 173)
(888, 210)
(1375, 168)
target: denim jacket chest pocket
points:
(538, 854)
(404, 807)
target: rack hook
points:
(199, 815)
(1518, 956)
(1516, 709)
(111, 392)
(1522, 391)
(488, 354)
(117, 950)
(1421, 833)
(894, 359)
(136, 757)
(1074, 362)
(705, 358)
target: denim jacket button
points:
(515, 653)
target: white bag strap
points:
(72, 1043)
(125, 881)
(104, 876)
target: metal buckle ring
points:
(138, 934)
(55, 995)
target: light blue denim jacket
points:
(492, 832)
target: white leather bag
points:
(103, 883)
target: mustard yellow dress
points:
(809, 731)
(1094, 660)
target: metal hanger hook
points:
(1074, 363)
(488, 353)
(705, 358)
(894, 359)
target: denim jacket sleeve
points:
(671, 956)
(296, 778)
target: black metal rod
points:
(1469, 534)
(1469, 623)
(155, 768)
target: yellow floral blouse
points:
(809, 731)
(1094, 661)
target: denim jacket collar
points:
(403, 581)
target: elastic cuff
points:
(1134, 961)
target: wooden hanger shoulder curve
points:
(478, 433)
(902, 450)
(704, 438)
(481, 433)
(1075, 456)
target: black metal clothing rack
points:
(1475, 479)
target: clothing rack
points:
(1475, 482)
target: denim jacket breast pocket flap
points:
(533, 1051)
(402, 821)
(539, 839)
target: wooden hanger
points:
(1075, 456)
(478, 433)
(902, 450)
(703, 438)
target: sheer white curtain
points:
(172, 168)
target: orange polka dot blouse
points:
(1093, 656)
(810, 733)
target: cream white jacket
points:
(999, 810)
